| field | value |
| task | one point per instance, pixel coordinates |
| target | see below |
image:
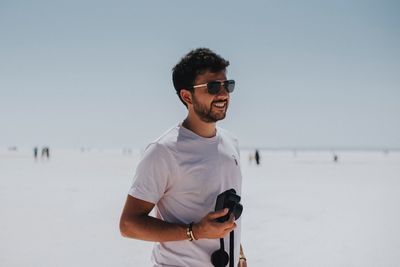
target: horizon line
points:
(270, 148)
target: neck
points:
(199, 127)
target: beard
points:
(208, 113)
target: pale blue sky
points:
(98, 73)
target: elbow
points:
(127, 228)
(123, 227)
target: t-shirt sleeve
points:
(152, 174)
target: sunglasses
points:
(214, 87)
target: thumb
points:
(217, 214)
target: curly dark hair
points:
(194, 63)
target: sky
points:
(309, 74)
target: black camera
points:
(230, 200)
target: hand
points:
(209, 228)
(242, 263)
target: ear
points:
(186, 95)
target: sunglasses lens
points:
(229, 85)
(213, 87)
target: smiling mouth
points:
(220, 104)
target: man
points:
(182, 172)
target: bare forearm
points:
(152, 229)
(136, 223)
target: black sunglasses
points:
(215, 86)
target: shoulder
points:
(227, 135)
(162, 146)
(229, 139)
(169, 136)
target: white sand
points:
(301, 210)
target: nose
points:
(222, 90)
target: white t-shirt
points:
(182, 173)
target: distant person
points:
(257, 157)
(335, 158)
(127, 151)
(35, 152)
(45, 153)
(251, 157)
(182, 172)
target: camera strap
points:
(220, 257)
(231, 248)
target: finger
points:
(217, 214)
(228, 230)
(233, 226)
(232, 218)
(230, 221)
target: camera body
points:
(229, 199)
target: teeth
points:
(220, 105)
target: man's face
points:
(210, 108)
